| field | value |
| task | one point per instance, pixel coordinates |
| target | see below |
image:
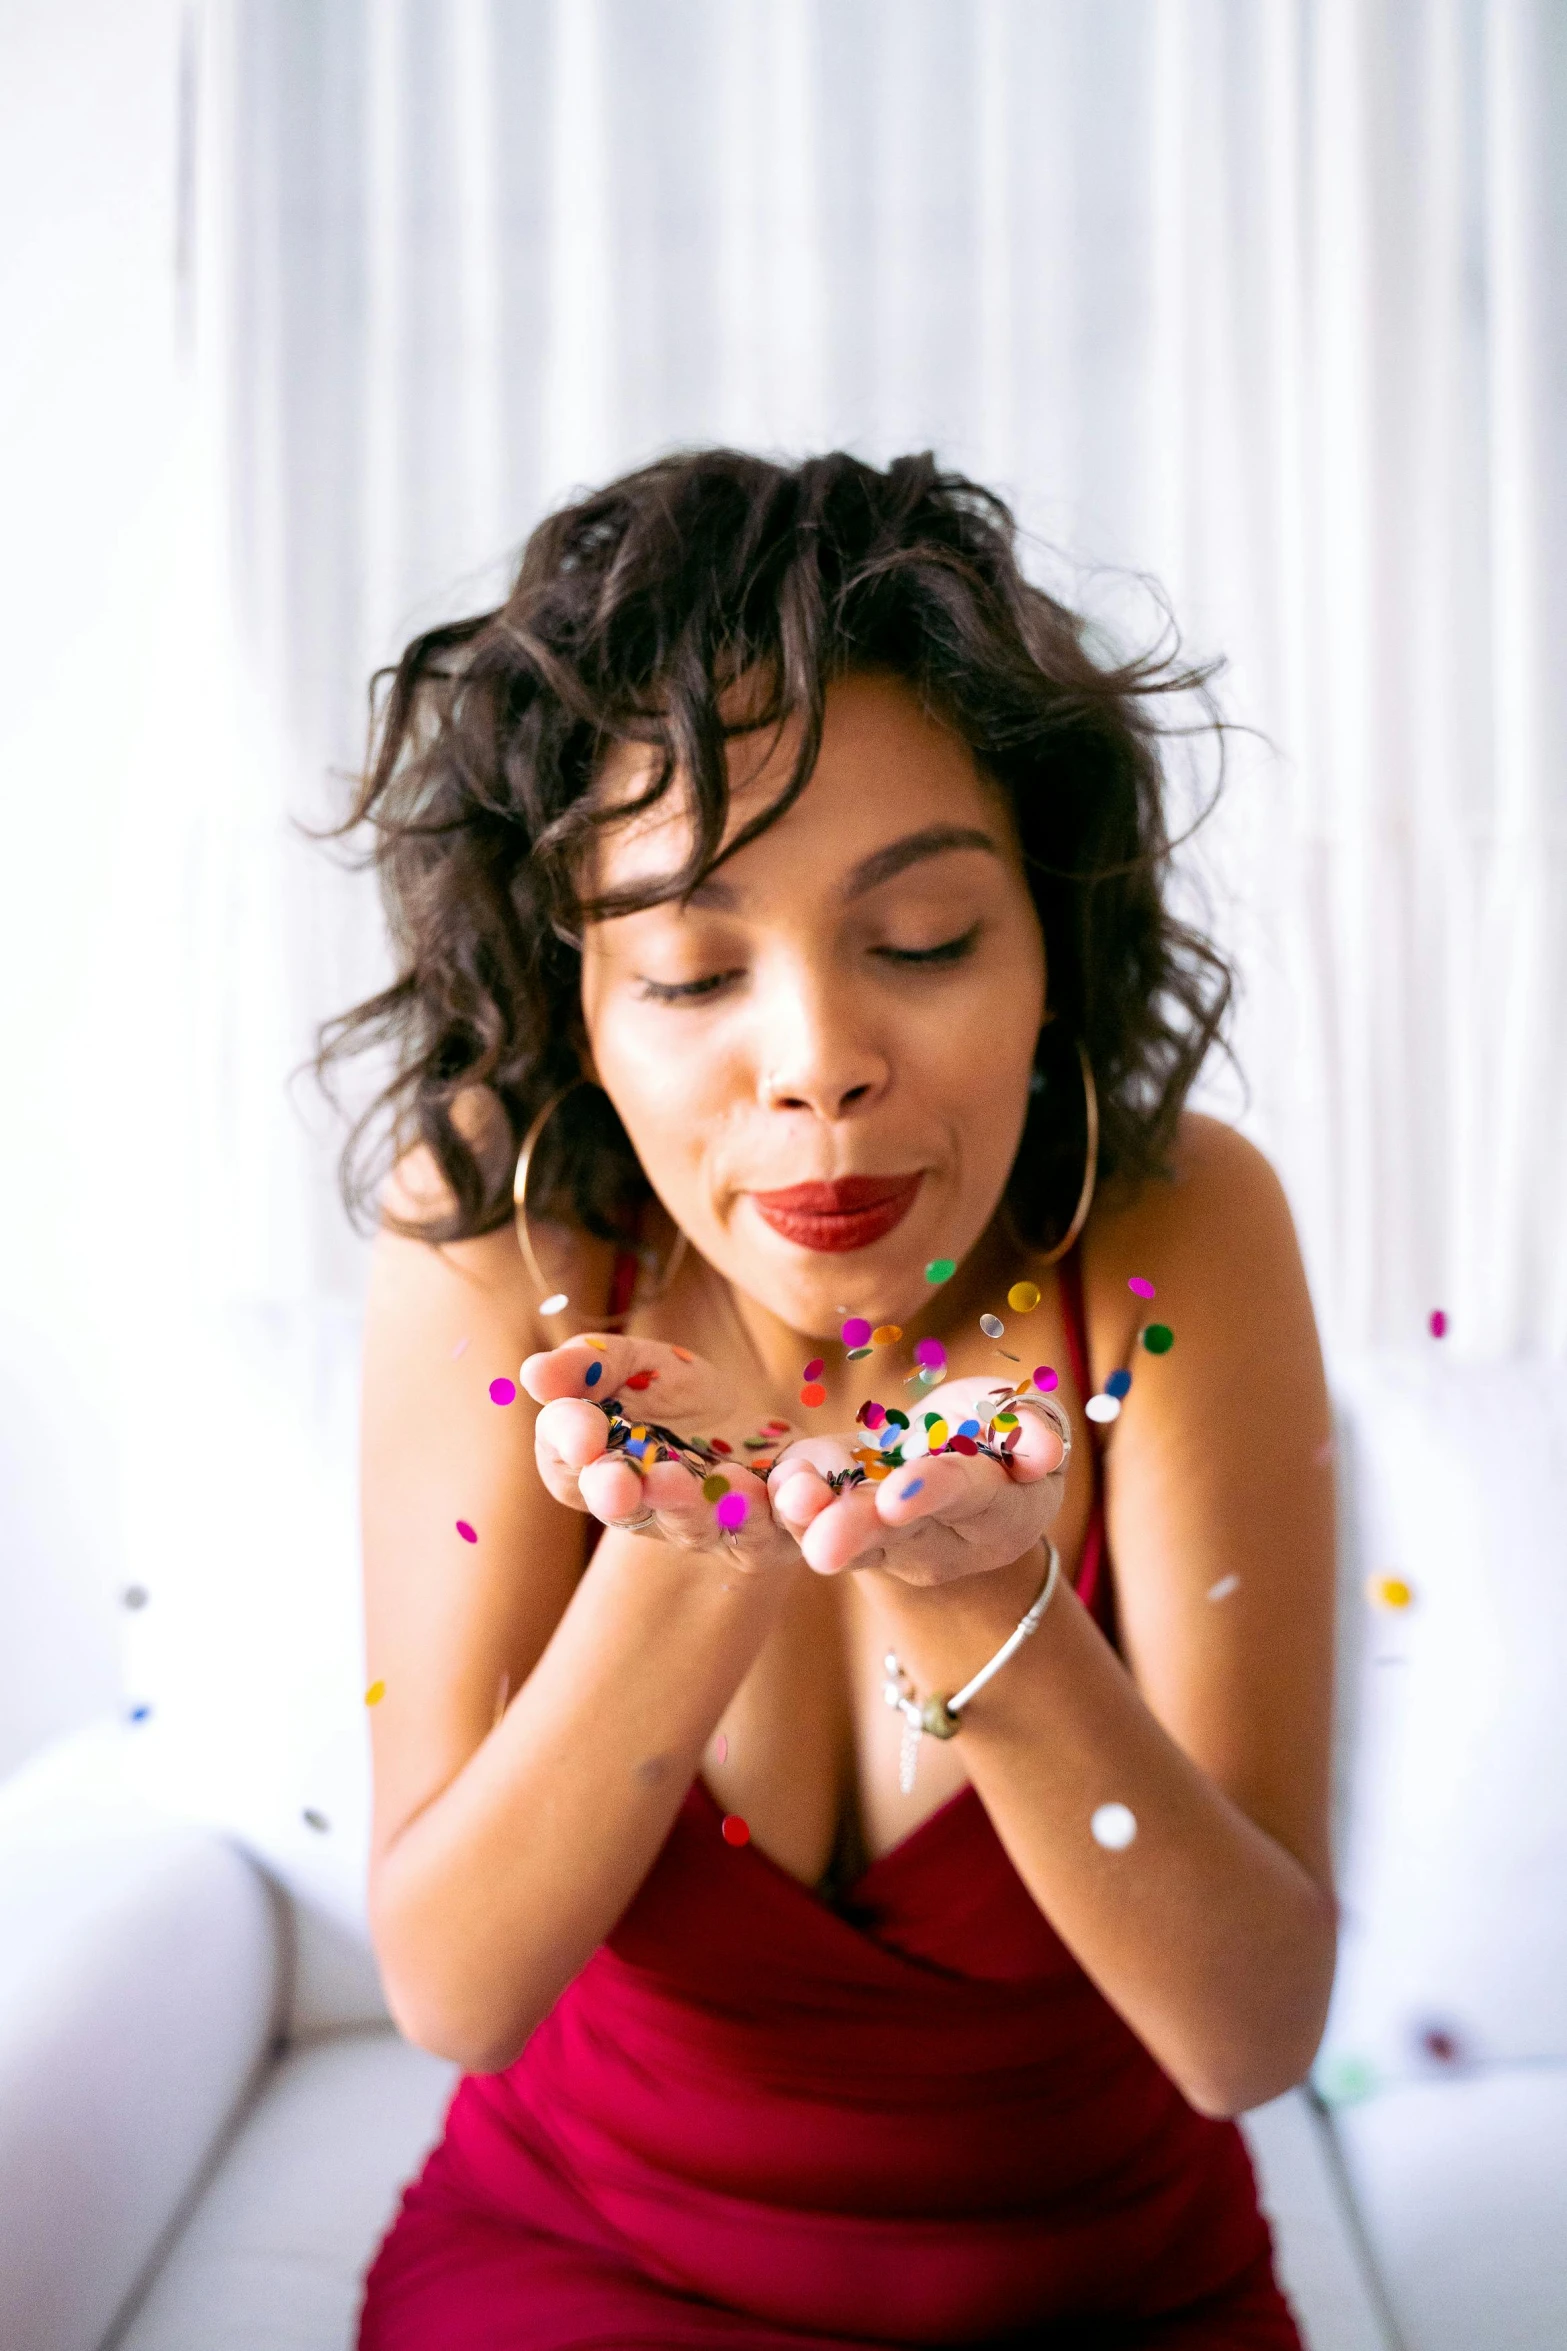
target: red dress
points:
(760, 2123)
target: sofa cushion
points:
(273, 2255)
(1462, 2184)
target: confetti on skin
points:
(1023, 1297)
(134, 1596)
(503, 1391)
(557, 1303)
(682, 1354)
(731, 1512)
(856, 1332)
(589, 1340)
(1224, 1587)
(714, 1488)
(962, 1444)
(776, 1428)
(1114, 1827)
(720, 1749)
(914, 1486)
(1141, 1287)
(315, 1820)
(1158, 1338)
(735, 1830)
(886, 1334)
(461, 1348)
(1389, 1591)
(813, 1393)
(594, 1373)
(1046, 1378)
(1103, 1408)
(722, 1444)
(1010, 1444)
(992, 1326)
(940, 1269)
(641, 1379)
(375, 1693)
(1438, 1323)
(1118, 1384)
(466, 1531)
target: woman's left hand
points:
(940, 1516)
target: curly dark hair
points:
(631, 612)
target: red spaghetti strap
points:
(1092, 1586)
(1071, 1279)
(622, 1283)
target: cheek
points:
(668, 1093)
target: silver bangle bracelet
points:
(940, 1716)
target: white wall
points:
(92, 466)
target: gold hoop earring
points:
(1085, 1198)
(519, 1194)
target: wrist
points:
(946, 1632)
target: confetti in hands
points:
(950, 1509)
(626, 1434)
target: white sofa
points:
(205, 2118)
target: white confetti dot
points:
(557, 1303)
(1224, 1587)
(992, 1325)
(1114, 1827)
(1105, 1408)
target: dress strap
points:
(1093, 1584)
(622, 1283)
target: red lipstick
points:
(849, 1213)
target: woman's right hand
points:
(663, 1502)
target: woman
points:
(776, 879)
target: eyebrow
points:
(882, 865)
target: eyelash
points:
(693, 991)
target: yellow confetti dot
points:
(375, 1693)
(1389, 1591)
(886, 1334)
(1023, 1297)
(936, 1434)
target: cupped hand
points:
(940, 1516)
(662, 1500)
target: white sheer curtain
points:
(1267, 301)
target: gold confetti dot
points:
(375, 1693)
(1389, 1591)
(886, 1334)
(1023, 1297)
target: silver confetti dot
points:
(1224, 1587)
(1114, 1827)
(557, 1303)
(1103, 1408)
(992, 1325)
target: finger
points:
(849, 1534)
(949, 1486)
(1040, 1449)
(799, 1495)
(673, 1382)
(575, 1433)
(612, 1490)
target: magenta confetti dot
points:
(732, 1512)
(856, 1331)
(813, 1370)
(1141, 1287)
(466, 1531)
(1045, 1378)
(1438, 1323)
(503, 1391)
(929, 1351)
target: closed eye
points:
(684, 991)
(950, 950)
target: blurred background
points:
(312, 308)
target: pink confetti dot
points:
(1438, 1325)
(1141, 1287)
(732, 1512)
(814, 1369)
(466, 1531)
(720, 1749)
(1045, 1378)
(503, 1391)
(929, 1351)
(856, 1331)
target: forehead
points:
(887, 769)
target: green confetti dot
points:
(1344, 2081)
(855, 1353)
(1158, 1338)
(941, 1269)
(714, 1488)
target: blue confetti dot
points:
(595, 1373)
(968, 1428)
(140, 1713)
(1118, 1383)
(914, 1486)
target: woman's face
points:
(822, 1059)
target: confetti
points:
(813, 1393)
(1389, 1591)
(1344, 2081)
(1141, 1287)
(134, 1596)
(315, 1820)
(682, 1354)
(503, 1391)
(720, 1749)
(731, 1512)
(968, 1428)
(856, 1331)
(962, 1444)
(1114, 1827)
(1224, 1587)
(722, 1444)
(590, 1340)
(1006, 1358)
(930, 1374)
(776, 1428)
(1158, 1338)
(1118, 1384)
(461, 1348)
(641, 1379)
(140, 1713)
(886, 1334)
(940, 1269)
(914, 1486)
(856, 1355)
(935, 1430)
(992, 1326)
(735, 1830)
(466, 1531)
(895, 1418)
(375, 1693)
(1103, 1408)
(1046, 1377)
(556, 1303)
(1438, 1323)
(814, 1369)
(929, 1351)
(1023, 1297)
(714, 1488)
(593, 1374)
(1441, 2046)
(871, 1414)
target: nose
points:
(817, 1056)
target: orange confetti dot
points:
(886, 1334)
(682, 1354)
(735, 1830)
(813, 1393)
(375, 1693)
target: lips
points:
(834, 1218)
